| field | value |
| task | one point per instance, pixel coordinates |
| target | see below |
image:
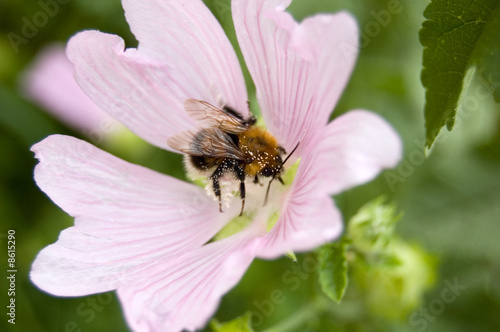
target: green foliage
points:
(333, 270)
(240, 324)
(372, 228)
(394, 287)
(450, 35)
(391, 273)
(26, 122)
(487, 53)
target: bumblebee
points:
(226, 142)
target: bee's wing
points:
(208, 115)
(210, 142)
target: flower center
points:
(256, 194)
(235, 226)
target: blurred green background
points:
(450, 201)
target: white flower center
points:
(255, 194)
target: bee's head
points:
(275, 168)
(271, 171)
(267, 171)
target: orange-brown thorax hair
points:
(261, 149)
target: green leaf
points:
(333, 270)
(449, 36)
(487, 54)
(240, 324)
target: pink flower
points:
(49, 81)
(147, 235)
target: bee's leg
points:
(240, 173)
(217, 190)
(281, 180)
(215, 178)
(232, 111)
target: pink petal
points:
(331, 43)
(308, 217)
(353, 149)
(186, 35)
(183, 53)
(126, 216)
(144, 95)
(299, 70)
(183, 294)
(49, 81)
(306, 222)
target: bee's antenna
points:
(287, 157)
(274, 175)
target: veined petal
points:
(143, 94)
(299, 70)
(50, 82)
(308, 219)
(185, 35)
(126, 216)
(183, 294)
(353, 149)
(330, 41)
(183, 53)
(306, 223)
